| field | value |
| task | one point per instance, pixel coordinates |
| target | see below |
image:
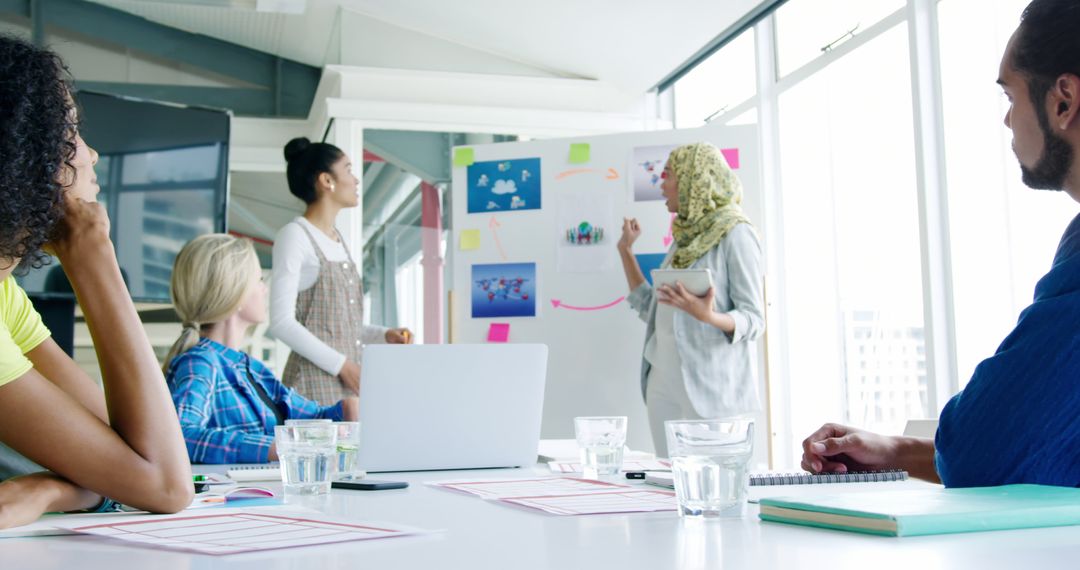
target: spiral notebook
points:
(243, 473)
(271, 472)
(665, 479)
(769, 479)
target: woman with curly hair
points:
(124, 444)
(698, 360)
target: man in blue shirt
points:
(1018, 419)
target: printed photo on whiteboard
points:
(503, 290)
(648, 262)
(647, 169)
(584, 234)
(586, 231)
(504, 185)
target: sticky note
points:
(579, 153)
(731, 155)
(499, 332)
(470, 240)
(463, 156)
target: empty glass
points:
(709, 461)
(600, 443)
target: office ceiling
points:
(629, 43)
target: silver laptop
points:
(450, 406)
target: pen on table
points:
(641, 474)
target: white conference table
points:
(478, 534)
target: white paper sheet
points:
(636, 501)
(567, 450)
(539, 487)
(47, 525)
(59, 524)
(646, 465)
(235, 531)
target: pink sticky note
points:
(499, 332)
(731, 155)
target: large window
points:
(1003, 234)
(851, 223)
(409, 280)
(847, 237)
(718, 84)
(806, 28)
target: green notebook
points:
(931, 511)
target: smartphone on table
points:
(369, 485)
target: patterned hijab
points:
(709, 198)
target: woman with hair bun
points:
(316, 296)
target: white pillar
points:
(348, 135)
(938, 309)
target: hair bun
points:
(296, 147)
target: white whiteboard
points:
(595, 354)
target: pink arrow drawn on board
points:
(669, 238)
(493, 224)
(612, 174)
(557, 303)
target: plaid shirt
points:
(222, 416)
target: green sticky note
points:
(470, 240)
(463, 156)
(579, 153)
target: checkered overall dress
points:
(333, 310)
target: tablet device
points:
(696, 281)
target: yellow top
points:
(21, 330)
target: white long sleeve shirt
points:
(296, 269)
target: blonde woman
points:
(697, 361)
(228, 402)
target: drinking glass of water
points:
(600, 442)
(308, 455)
(348, 448)
(304, 422)
(709, 460)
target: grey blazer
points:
(717, 369)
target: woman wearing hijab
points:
(697, 361)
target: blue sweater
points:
(1018, 420)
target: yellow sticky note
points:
(470, 240)
(579, 153)
(463, 156)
